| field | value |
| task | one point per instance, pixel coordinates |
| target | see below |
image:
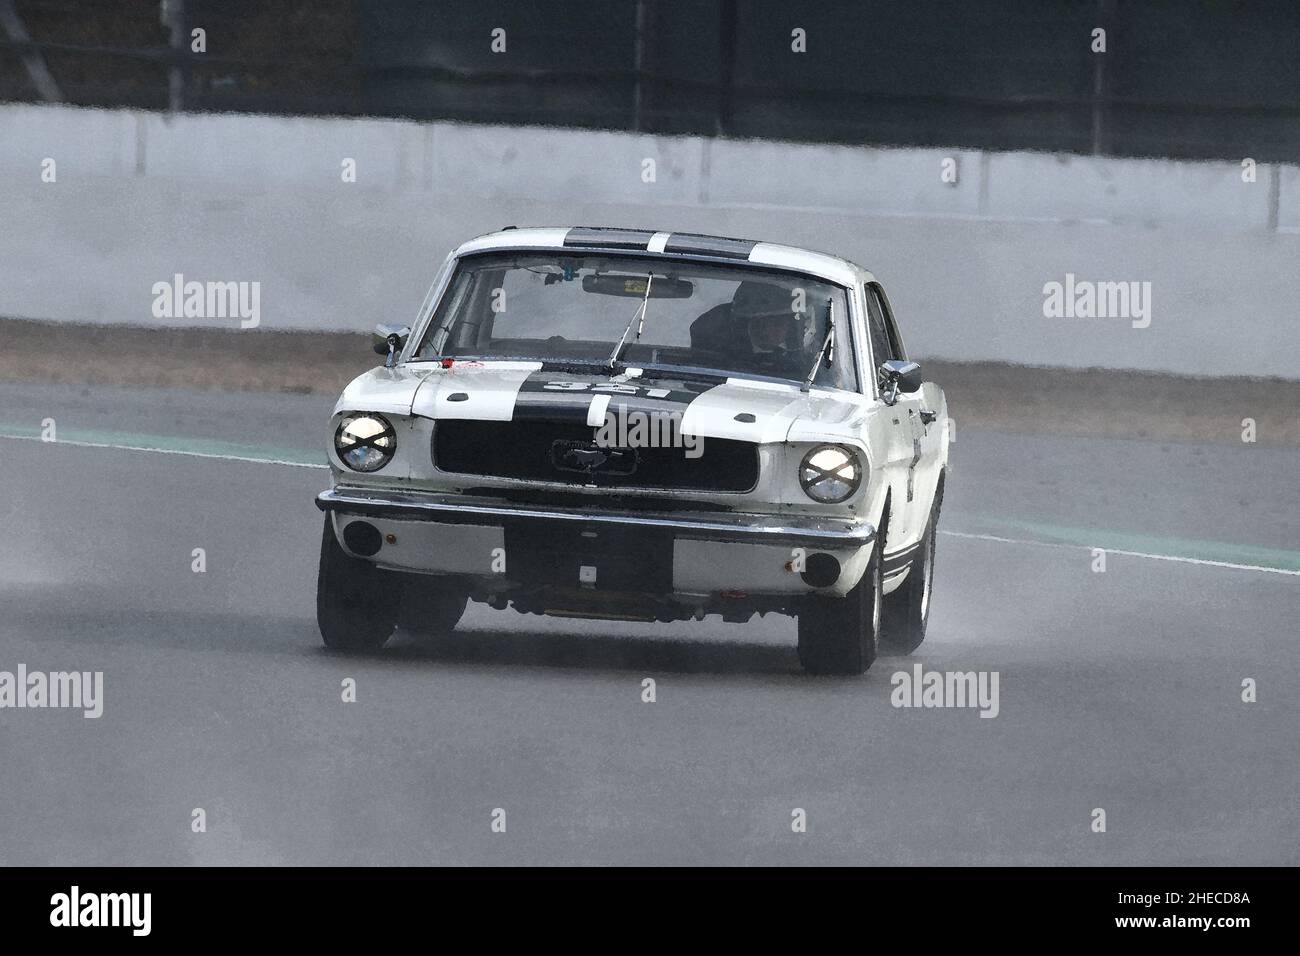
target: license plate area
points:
(619, 559)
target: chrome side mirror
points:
(389, 340)
(898, 376)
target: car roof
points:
(670, 245)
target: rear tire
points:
(838, 635)
(907, 607)
(355, 601)
(429, 609)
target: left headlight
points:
(365, 442)
(830, 474)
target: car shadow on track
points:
(239, 633)
(593, 652)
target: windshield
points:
(591, 309)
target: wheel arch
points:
(882, 524)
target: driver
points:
(763, 318)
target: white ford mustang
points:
(637, 425)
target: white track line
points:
(955, 534)
(167, 451)
(1131, 554)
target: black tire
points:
(838, 635)
(429, 607)
(907, 608)
(355, 601)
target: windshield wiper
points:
(827, 350)
(570, 364)
(656, 371)
(638, 314)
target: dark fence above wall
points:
(1180, 78)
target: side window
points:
(895, 341)
(882, 349)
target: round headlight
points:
(365, 442)
(830, 474)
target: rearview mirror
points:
(899, 376)
(389, 340)
(634, 286)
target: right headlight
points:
(365, 442)
(830, 474)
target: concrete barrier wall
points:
(140, 197)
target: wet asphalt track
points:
(1118, 690)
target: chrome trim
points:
(907, 549)
(822, 532)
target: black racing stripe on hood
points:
(560, 396)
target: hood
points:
(385, 390)
(741, 409)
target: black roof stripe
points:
(680, 243)
(689, 243)
(602, 237)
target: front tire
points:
(430, 608)
(838, 635)
(907, 607)
(354, 599)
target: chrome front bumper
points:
(794, 530)
(683, 553)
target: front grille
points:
(565, 452)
